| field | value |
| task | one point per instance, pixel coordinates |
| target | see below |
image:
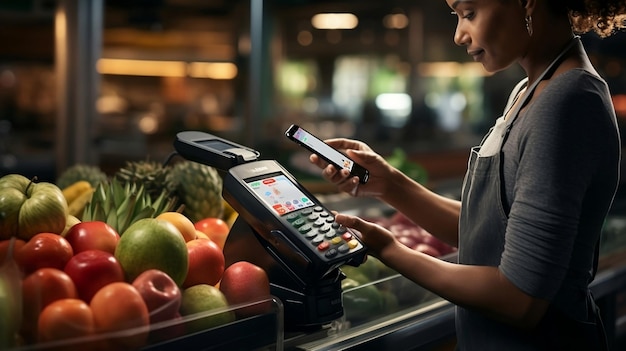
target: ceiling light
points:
(396, 21)
(213, 70)
(334, 21)
(141, 67)
(155, 68)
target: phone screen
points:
(327, 152)
(323, 149)
(280, 194)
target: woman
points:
(536, 191)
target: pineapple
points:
(150, 174)
(198, 187)
(93, 174)
(120, 205)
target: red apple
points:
(160, 293)
(92, 235)
(206, 262)
(244, 282)
(93, 269)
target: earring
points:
(529, 25)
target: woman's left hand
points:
(374, 236)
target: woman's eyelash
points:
(468, 15)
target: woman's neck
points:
(545, 52)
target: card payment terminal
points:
(293, 236)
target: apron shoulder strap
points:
(514, 94)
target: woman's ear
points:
(529, 5)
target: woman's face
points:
(494, 31)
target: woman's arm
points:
(435, 213)
(480, 288)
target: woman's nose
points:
(461, 37)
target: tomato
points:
(117, 307)
(65, 319)
(44, 250)
(92, 235)
(215, 228)
(40, 289)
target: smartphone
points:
(326, 152)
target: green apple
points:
(11, 201)
(45, 210)
(15, 181)
(152, 243)
(355, 273)
(203, 307)
(28, 208)
(361, 302)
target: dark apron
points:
(482, 225)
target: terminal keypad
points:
(318, 227)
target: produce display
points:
(105, 263)
(121, 262)
(413, 235)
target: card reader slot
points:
(242, 154)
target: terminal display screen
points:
(279, 193)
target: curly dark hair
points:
(604, 17)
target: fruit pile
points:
(102, 255)
(414, 236)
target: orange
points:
(65, 319)
(119, 307)
(201, 235)
(181, 222)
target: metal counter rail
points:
(424, 326)
(404, 330)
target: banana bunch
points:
(230, 215)
(78, 195)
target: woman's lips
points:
(476, 54)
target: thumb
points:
(353, 222)
(363, 157)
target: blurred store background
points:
(106, 81)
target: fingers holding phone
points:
(326, 152)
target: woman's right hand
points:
(362, 154)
